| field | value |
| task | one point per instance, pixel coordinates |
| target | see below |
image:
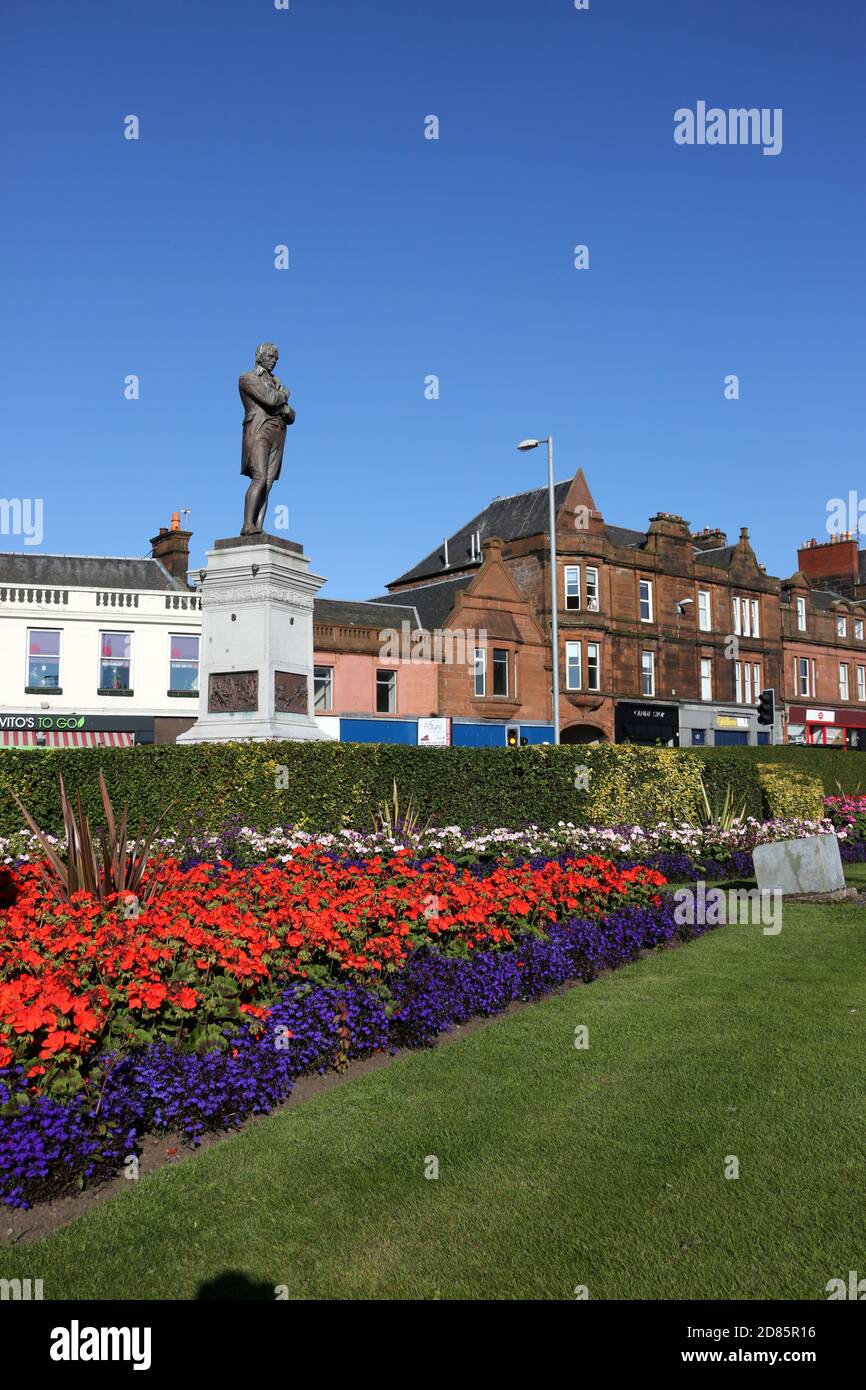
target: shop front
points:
(29, 730)
(704, 725)
(827, 727)
(642, 721)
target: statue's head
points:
(267, 355)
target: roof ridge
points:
(329, 598)
(63, 555)
(509, 496)
(448, 579)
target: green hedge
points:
(738, 768)
(334, 784)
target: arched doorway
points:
(582, 733)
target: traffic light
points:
(512, 737)
(767, 707)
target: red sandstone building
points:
(823, 611)
(666, 635)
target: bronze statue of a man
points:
(266, 414)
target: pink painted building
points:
(352, 676)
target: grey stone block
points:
(810, 865)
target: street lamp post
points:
(525, 445)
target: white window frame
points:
(756, 674)
(737, 625)
(756, 617)
(592, 597)
(858, 629)
(479, 673)
(844, 681)
(651, 672)
(573, 657)
(392, 701)
(593, 658)
(171, 637)
(117, 632)
(738, 682)
(329, 686)
(705, 610)
(801, 614)
(706, 678)
(801, 676)
(572, 576)
(841, 625)
(645, 599)
(502, 694)
(27, 658)
(861, 682)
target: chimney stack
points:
(834, 562)
(711, 538)
(171, 546)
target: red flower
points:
(77, 975)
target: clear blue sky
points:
(411, 257)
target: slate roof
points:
(625, 537)
(432, 602)
(825, 598)
(86, 572)
(720, 556)
(510, 518)
(340, 612)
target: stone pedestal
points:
(810, 865)
(256, 677)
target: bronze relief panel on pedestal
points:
(233, 692)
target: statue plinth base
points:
(256, 643)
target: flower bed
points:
(240, 845)
(847, 813)
(264, 956)
(50, 1146)
(201, 1008)
(217, 943)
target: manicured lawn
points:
(558, 1167)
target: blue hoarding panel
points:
(537, 735)
(478, 735)
(378, 731)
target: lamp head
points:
(526, 444)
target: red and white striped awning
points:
(61, 738)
